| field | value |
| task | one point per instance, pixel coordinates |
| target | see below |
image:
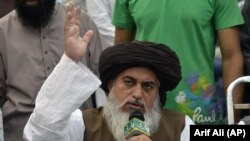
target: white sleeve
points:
(55, 117)
(101, 13)
(185, 135)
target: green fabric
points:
(188, 27)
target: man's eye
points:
(148, 86)
(128, 82)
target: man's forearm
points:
(123, 35)
(236, 70)
(230, 75)
(68, 86)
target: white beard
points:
(116, 119)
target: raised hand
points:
(75, 45)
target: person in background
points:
(101, 12)
(31, 44)
(191, 28)
(5, 7)
(245, 47)
(135, 75)
(241, 3)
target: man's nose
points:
(138, 91)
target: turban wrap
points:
(158, 57)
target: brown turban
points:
(158, 57)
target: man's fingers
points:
(69, 18)
(69, 15)
(69, 6)
(87, 36)
(77, 16)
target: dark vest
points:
(96, 129)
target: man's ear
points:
(110, 85)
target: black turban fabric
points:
(158, 57)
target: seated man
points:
(135, 75)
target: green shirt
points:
(189, 28)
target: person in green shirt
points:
(191, 28)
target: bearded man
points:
(31, 44)
(135, 76)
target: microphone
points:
(136, 125)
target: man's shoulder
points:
(93, 116)
(8, 18)
(172, 119)
(93, 111)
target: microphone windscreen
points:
(136, 125)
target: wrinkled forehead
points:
(141, 74)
